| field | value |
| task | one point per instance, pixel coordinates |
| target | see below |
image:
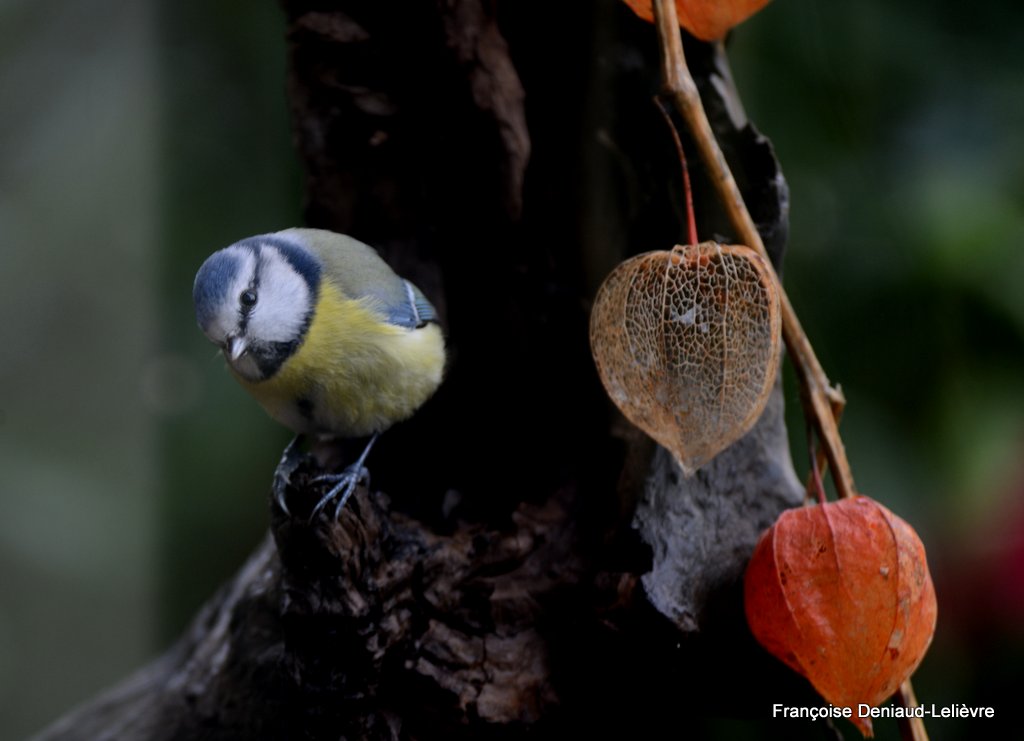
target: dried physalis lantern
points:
(687, 345)
(708, 20)
(841, 593)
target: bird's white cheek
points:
(281, 313)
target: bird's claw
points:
(290, 460)
(345, 484)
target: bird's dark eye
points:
(248, 298)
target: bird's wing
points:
(362, 274)
(423, 311)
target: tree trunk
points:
(536, 565)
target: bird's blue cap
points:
(212, 282)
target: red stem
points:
(691, 221)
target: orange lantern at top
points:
(708, 20)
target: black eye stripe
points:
(250, 295)
(245, 305)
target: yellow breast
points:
(354, 374)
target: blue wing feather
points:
(413, 311)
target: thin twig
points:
(820, 456)
(824, 401)
(819, 395)
(815, 486)
(911, 729)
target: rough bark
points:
(535, 566)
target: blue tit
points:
(323, 334)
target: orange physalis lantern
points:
(841, 593)
(708, 20)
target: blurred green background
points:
(138, 136)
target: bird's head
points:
(255, 300)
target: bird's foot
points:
(290, 460)
(345, 484)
